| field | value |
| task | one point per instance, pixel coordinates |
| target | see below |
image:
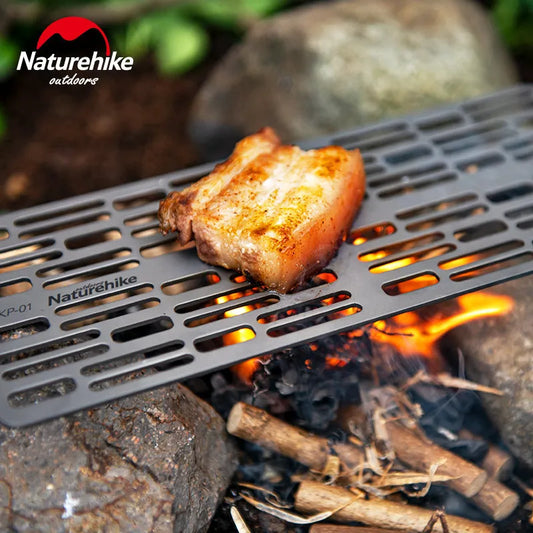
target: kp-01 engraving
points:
(8, 311)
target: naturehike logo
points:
(90, 289)
(70, 28)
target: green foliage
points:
(179, 43)
(514, 19)
(8, 57)
(231, 14)
(181, 46)
(178, 36)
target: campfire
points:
(364, 427)
(348, 398)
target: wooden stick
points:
(439, 516)
(496, 500)
(333, 528)
(497, 462)
(313, 497)
(421, 454)
(256, 425)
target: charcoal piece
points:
(267, 469)
(446, 412)
(441, 497)
(318, 407)
(471, 450)
(318, 400)
(479, 423)
(443, 408)
(250, 473)
(158, 461)
(288, 382)
(303, 380)
(224, 395)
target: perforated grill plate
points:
(95, 304)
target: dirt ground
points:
(66, 140)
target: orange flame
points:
(409, 333)
(247, 369)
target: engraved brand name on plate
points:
(90, 289)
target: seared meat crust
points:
(272, 211)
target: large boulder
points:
(159, 461)
(498, 352)
(338, 64)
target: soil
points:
(63, 141)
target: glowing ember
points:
(246, 369)
(409, 333)
(333, 362)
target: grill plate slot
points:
(95, 304)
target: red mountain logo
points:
(70, 28)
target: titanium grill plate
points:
(95, 304)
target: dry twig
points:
(446, 380)
(269, 494)
(289, 517)
(440, 516)
(238, 520)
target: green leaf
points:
(230, 14)
(180, 46)
(514, 19)
(506, 14)
(264, 7)
(137, 37)
(8, 57)
(219, 13)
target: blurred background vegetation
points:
(61, 141)
(175, 33)
(174, 30)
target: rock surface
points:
(338, 64)
(498, 352)
(159, 461)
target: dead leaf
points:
(290, 517)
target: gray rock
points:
(335, 65)
(498, 352)
(159, 461)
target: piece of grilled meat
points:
(274, 212)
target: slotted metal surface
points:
(95, 304)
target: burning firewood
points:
(421, 454)
(496, 500)
(497, 462)
(489, 495)
(333, 528)
(313, 497)
(255, 425)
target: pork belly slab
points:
(274, 212)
